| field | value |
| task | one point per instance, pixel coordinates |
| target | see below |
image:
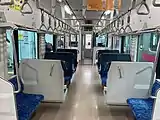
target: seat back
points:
(66, 58)
(43, 77)
(99, 52)
(107, 58)
(128, 80)
(74, 51)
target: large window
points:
(101, 41)
(10, 53)
(27, 44)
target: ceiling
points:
(78, 5)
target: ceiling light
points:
(67, 9)
(59, 0)
(107, 12)
(74, 17)
(102, 18)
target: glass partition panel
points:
(27, 44)
(10, 53)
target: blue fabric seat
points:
(143, 108)
(26, 103)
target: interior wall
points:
(138, 22)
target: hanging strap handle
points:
(155, 4)
(26, 4)
(128, 23)
(7, 3)
(146, 6)
(50, 24)
(55, 26)
(117, 25)
(15, 63)
(122, 24)
(42, 21)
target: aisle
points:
(84, 101)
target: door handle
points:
(51, 71)
(120, 73)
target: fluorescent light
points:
(107, 12)
(67, 9)
(102, 18)
(59, 0)
(74, 17)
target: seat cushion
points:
(27, 104)
(13, 81)
(141, 108)
(155, 87)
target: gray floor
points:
(84, 101)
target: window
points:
(49, 42)
(73, 38)
(60, 40)
(127, 44)
(88, 39)
(10, 53)
(154, 42)
(27, 45)
(49, 38)
(101, 41)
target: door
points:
(88, 46)
(147, 47)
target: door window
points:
(27, 45)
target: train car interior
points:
(79, 60)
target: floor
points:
(86, 62)
(84, 101)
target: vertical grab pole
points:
(15, 62)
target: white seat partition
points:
(43, 77)
(156, 110)
(128, 80)
(7, 102)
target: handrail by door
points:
(15, 63)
